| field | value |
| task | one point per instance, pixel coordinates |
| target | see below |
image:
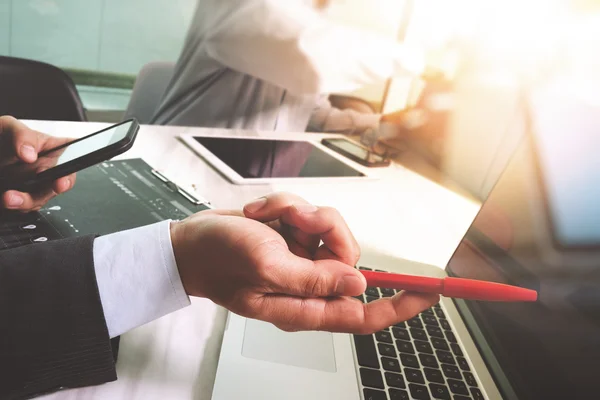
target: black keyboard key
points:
(400, 325)
(435, 331)
(405, 347)
(414, 323)
(413, 375)
(458, 387)
(429, 311)
(395, 380)
(390, 364)
(439, 344)
(418, 334)
(434, 375)
(371, 299)
(400, 333)
(371, 394)
(384, 337)
(430, 320)
(470, 378)
(439, 392)
(408, 360)
(372, 291)
(458, 397)
(396, 394)
(451, 371)
(456, 349)
(477, 395)
(386, 349)
(386, 292)
(428, 360)
(439, 312)
(445, 357)
(365, 351)
(450, 336)
(463, 364)
(445, 324)
(371, 378)
(423, 347)
(360, 297)
(419, 392)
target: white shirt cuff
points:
(137, 277)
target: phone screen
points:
(355, 150)
(20, 171)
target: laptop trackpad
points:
(313, 350)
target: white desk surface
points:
(399, 215)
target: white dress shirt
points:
(137, 277)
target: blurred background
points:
(103, 44)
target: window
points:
(101, 44)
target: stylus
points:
(450, 287)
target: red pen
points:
(450, 287)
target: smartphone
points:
(356, 152)
(68, 158)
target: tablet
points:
(253, 160)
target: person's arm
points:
(326, 118)
(289, 44)
(61, 302)
(52, 327)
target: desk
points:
(397, 215)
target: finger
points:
(271, 207)
(64, 184)
(14, 200)
(310, 243)
(25, 140)
(326, 222)
(297, 276)
(343, 314)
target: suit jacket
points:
(53, 333)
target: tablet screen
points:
(260, 158)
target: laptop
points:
(460, 349)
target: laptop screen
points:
(539, 228)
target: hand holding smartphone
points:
(68, 158)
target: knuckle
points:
(317, 284)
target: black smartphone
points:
(68, 158)
(356, 152)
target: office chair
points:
(150, 85)
(36, 90)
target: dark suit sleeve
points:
(52, 329)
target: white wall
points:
(4, 26)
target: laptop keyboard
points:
(417, 359)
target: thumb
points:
(26, 143)
(322, 278)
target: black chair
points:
(35, 90)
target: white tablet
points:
(256, 160)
